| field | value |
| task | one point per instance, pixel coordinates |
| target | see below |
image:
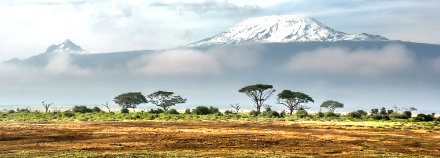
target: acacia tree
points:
(331, 105)
(165, 99)
(107, 106)
(258, 93)
(130, 100)
(293, 100)
(47, 105)
(236, 107)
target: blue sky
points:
(28, 27)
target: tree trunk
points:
(291, 111)
(47, 109)
(258, 109)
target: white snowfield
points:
(284, 28)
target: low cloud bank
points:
(342, 60)
(176, 62)
(58, 66)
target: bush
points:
(271, 114)
(187, 111)
(125, 111)
(171, 111)
(96, 109)
(424, 117)
(11, 111)
(374, 111)
(157, 111)
(362, 112)
(68, 113)
(227, 112)
(254, 113)
(213, 110)
(23, 110)
(376, 117)
(283, 113)
(301, 113)
(320, 114)
(202, 110)
(354, 114)
(81, 109)
(408, 114)
(330, 114)
(399, 116)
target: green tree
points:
(130, 100)
(331, 105)
(165, 99)
(292, 100)
(258, 93)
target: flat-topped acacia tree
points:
(331, 105)
(258, 93)
(130, 100)
(292, 100)
(165, 99)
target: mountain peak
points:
(283, 28)
(66, 46)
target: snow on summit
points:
(66, 46)
(284, 28)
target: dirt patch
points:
(281, 138)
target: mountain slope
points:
(286, 28)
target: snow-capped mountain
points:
(66, 46)
(285, 28)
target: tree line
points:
(258, 93)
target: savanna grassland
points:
(114, 134)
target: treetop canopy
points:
(257, 87)
(288, 94)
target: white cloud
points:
(176, 62)
(436, 64)
(342, 60)
(61, 64)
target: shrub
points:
(301, 113)
(362, 112)
(354, 114)
(125, 111)
(187, 111)
(320, 114)
(408, 114)
(283, 113)
(11, 111)
(201, 110)
(254, 113)
(213, 110)
(374, 111)
(68, 113)
(23, 110)
(330, 114)
(376, 117)
(171, 111)
(271, 114)
(424, 117)
(96, 109)
(81, 109)
(399, 115)
(227, 112)
(157, 111)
